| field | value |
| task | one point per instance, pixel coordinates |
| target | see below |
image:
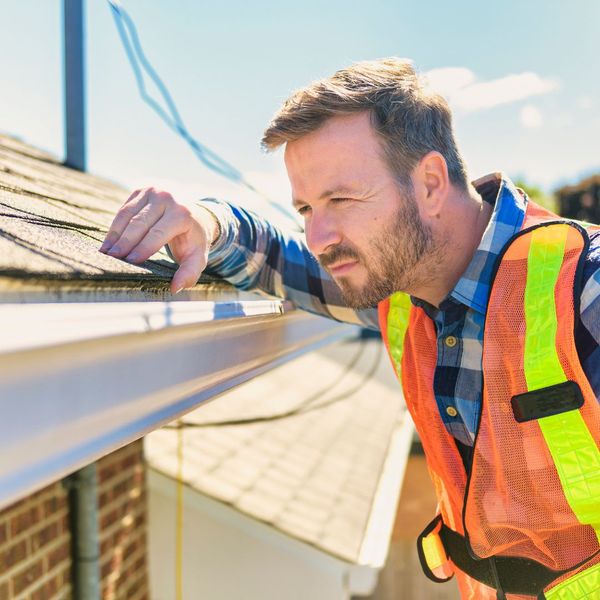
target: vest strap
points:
(397, 324)
(512, 575)
(570, 442)
(432, 554)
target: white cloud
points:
(449, 80)
(460, 87)
(530, 117)
(585, 102)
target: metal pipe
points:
(85, 545)
(74, 84)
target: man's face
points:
(362, 227)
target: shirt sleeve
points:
(588, 333)
(253, 254)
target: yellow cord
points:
(179, 517)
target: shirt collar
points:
(473, 288)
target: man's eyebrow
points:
(333, 192)
(296, 202)
(337, 191)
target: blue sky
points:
(523, 79)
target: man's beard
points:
(395, 259)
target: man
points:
(511, 426)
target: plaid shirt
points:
(252, 254)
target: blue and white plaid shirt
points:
(252, 254)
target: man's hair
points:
(410, 120)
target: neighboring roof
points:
(330, 477)
(579, 187)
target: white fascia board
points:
(235, 518)
(358, 579)
(79, 380)
(384, 508)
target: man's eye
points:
(302, 210)
(340, 200)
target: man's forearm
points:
(252, 253)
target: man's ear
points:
(431, 184)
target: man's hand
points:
(152, 218)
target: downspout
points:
(85, 545)
(82, 485)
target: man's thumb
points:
(188, 273)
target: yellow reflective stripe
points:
(569, 441)
(397, 324)
(542, 367)
(578, 587)
(433, 550)
(577, 462)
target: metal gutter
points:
(80, 380)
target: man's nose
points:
(322, 232)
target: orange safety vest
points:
(525, 523)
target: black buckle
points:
(514, 575)
(428, 572)
(551, 400)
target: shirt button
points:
(451, 411)
(451, 341)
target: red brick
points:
(121, 488)
(132, 547)
(105, 498)
(64, 524)
(22, 580)
(130, 461)
(51, 506)
(106, 569)
(106, 472)
(45, 535)
(58, 555)
(13, 555)
(55, 506)
(109, 518)
(47, 590)
(140, 563)
(24, 520)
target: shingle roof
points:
(314, 476)
(52, 222)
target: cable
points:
(179, 517)
(300, 410)
(135, 55)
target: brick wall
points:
(35, 540)
(35, 548)
(122, 517)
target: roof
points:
(323, 477)
(579, 187)
(102, 353)
(53, 219)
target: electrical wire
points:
(303, 408)
(179, 518)
(135, 54)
